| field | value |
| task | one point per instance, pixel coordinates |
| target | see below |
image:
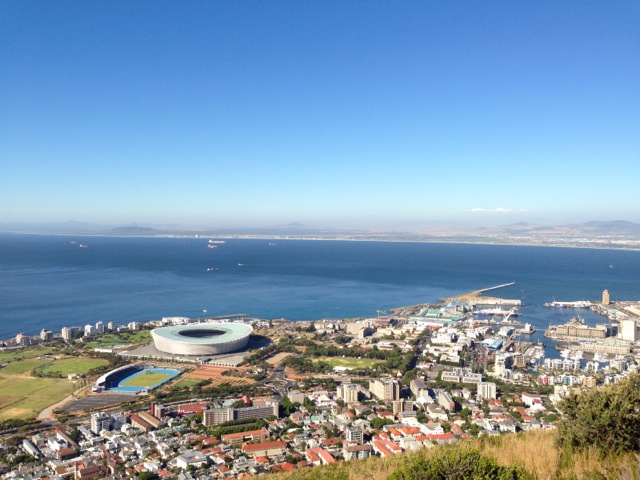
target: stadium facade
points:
(202, 338)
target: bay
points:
(51, 281)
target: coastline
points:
(462, 240)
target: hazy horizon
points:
(354, 115)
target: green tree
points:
(606, 418)
(458, 464)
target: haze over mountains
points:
(601, 233)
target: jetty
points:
(476, 297)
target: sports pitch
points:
(146, 380)
(349, 362)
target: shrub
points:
(458, 464)
(606, 418)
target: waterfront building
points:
(46, 335)
(629, 330)
(134, 326)
(99, 327)
(605, 297)
(386, 389)
(111, 326)
(89, 330)
(22, 339)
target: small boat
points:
(84, 246)
(212, 269)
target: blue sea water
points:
(49, 282)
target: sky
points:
(364, 114)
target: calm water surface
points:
(49, 282)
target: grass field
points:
(22, 366)
(117, 339)
(24, 397)
(188, 382)
(349, 362)
(67, 366)
(146, 379)
(33, 352)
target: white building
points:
(486, 390)
(629, 330)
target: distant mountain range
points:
(599, 233)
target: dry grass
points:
(215, 374)
(535, 451)
(278, 358)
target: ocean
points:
(54, 281)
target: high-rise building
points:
(354, 434)
(89, 330)
(386, 389)
(486, 390)
(629, 330)
(69, 333)
(100, 421)
(605, 297)
(348, 392)
(46, 335)
(99, 327)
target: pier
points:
(474, 298)
(480, 292)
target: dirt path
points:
(47, 413)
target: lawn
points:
(188, 382)
(33, 352)
(146, 379)
(117, 339)
(22, 366)
(67, 366)
(22, 397)
(349, 362)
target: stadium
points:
(202, 339)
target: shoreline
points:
(453, 241)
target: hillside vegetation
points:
(530, 455)
(598, 438)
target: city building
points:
(486, 390)
(354, 435)
(605, 297)
(100, 421)
(629, 330)
(386, 389)
(46, 335)
(347, 392)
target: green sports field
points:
(25, 397)
(67, 366)
(146, 379)
(349, 362)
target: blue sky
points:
(366, 114)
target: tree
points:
(148, 476)
(457, 464)
(606, 418)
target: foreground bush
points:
(458, 464)
(606, 419)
